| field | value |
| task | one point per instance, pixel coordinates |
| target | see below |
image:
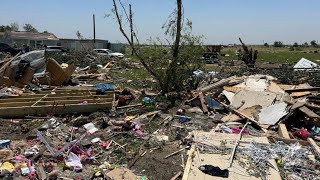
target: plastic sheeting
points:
(36, 60)
(305, 63)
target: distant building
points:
(31, 39)
(83, 44)
(87, 44)
(38, 40)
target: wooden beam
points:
(314, 146)
(174, 153)
(308, 112)
(176, 176)
(136, 158)
(303, 89)
(221, 83)
(203, 103)
(283, 131)
(189, 161)
(8, 63)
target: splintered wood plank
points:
(283, 131)
(189, 162)
(314, 146)
(233, 89)
(203, 103)
(308, 112)
(303, 89)
(300, 94)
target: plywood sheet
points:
(222, 161)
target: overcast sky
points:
(219, 21)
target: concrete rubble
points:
(73, 121)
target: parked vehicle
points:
(56, 49)
(108, 52)
(211, 54)
(5, 48)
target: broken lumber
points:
(135, 159)
(282, 131)
(240, 113)
(130, 106)
(237, 143)
(308, 112)
(302, 89)
(105, 67)
(189, 161)
(176, 176)
(223, 82)
(314, 146)
(174, 153)
(203, 103)
(57, 73)
(8, 63)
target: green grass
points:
(279, 55)
(265, 54)
(136, 75)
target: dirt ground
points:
(156, 167)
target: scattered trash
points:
(58, 122)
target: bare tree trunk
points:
(131, 26)
(249, 56)
(175, 50)
(178, 33)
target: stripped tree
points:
(248, 56)
(170, 67)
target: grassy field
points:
(280, 55)
(265, 54)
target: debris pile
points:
(57, 122)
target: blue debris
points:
(4, 143)
(105, 87)
(184, 119)
(213, 104)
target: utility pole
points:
(131, 26)
(94, 30)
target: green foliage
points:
(79, 35)
(14, 26)
(4, 28)
(278, 44)
(158, 57)
(314, 43)
(29, 28)
(266, 45)
(295, 44)
(291, 48)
